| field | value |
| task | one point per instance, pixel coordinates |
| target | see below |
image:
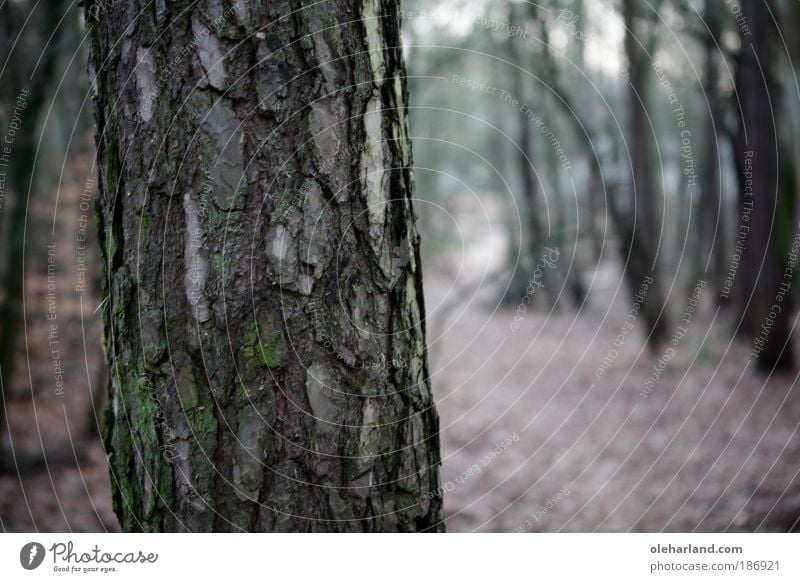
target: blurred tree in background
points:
(665, 155)
(25, 33)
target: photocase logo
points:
(31, 555)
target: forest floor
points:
(536, 437)
(58, 479)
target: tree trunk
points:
(763, 290)
(571, 277)
(265, 320)
(643, 257)
(528, 184)
(712, 236)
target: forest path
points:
(582, 449)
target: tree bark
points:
(264, 320)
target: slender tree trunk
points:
(571, 278)
(764, 300)
(529, 184)
(643, 261)
(265, 319)
(595, 189)
(712, 233)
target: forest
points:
(384, 266)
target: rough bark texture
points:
(264, 322)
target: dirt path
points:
(710, 447)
